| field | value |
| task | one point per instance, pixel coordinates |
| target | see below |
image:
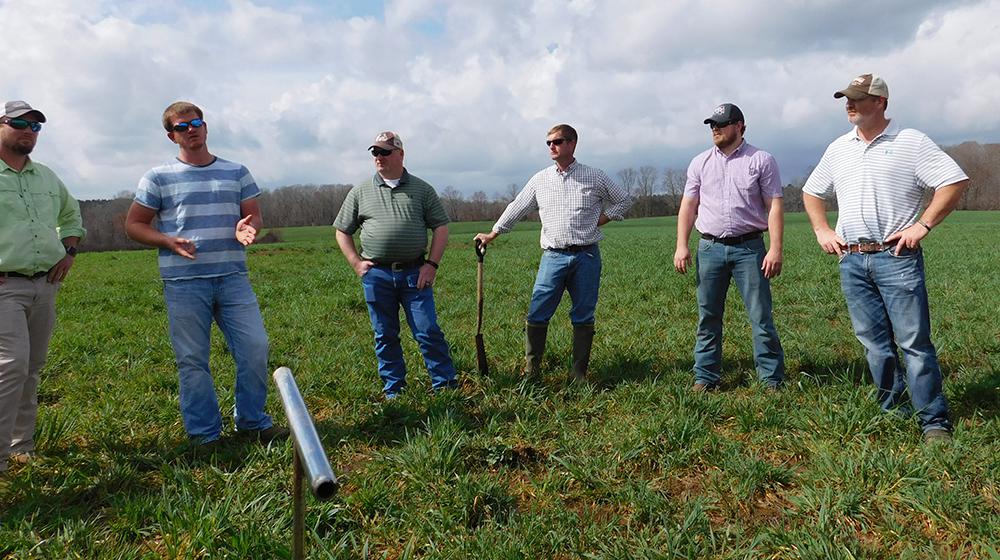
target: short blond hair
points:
(567, 131)
(179, 108)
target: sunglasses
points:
(380, 152)
(556, 141)
(184, 126)
(714, 125)
(21, 124)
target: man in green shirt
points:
(40, 226)
(394, 210)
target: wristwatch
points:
(71, 251)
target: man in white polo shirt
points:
(878, 172)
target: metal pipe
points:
(310, 451)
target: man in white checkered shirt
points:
(573, 201)
(879, 172)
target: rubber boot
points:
(534, 348)
(583, 340)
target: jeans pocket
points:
(368, 288)
(905, 253)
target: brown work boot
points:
(534, 348)
(937, 435)
(583, 341)
(702, 387)
(24, 458)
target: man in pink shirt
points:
(734, 191)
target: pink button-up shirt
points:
(731, 190)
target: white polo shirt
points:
(880, 186)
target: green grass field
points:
(630, 466)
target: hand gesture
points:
(181, 246)
(246, 233)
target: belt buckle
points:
(397, 266)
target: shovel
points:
(484, 368)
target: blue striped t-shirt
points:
(201, 204)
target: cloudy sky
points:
(297, 89)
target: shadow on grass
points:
(69, 482)
(977, 397)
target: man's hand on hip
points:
(58, 272)
(427, 275)
(908, 238)
(831, 242)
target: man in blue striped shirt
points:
(206, 212)
(878, 173)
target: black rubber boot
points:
(534, 348)
(583, 340)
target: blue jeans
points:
(887, 300)
(229, 300)
(716, 264)
(387, 290)
(578, 273)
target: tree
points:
(646, 183)
(628, 178)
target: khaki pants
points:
(27, 317)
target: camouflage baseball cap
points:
(387, 140)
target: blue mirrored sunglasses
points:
(183, 126)
(21, 124)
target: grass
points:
(629, 466)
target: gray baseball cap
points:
(727, 112)
(14, 109)
(863, 86)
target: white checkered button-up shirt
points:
(569, 203)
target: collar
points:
(378, 181)
(891, 130)
(28, 167)
(739, 149)
(569, 168)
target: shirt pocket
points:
(46, 206)
(11, 203)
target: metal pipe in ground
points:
(310, 462)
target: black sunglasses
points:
(377, 152)
(21, 124)
(556, 141)
(184, 126)
(714, 125)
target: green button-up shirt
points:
(36, 214)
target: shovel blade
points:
(484, 368)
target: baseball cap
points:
(863, 86)
(14, 109)
(387, 140)
(727, 112)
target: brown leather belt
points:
(868, 247)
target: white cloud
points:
(296, 92)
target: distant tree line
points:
(657, 193)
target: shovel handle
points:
(480, 250)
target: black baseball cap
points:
(727, 112)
